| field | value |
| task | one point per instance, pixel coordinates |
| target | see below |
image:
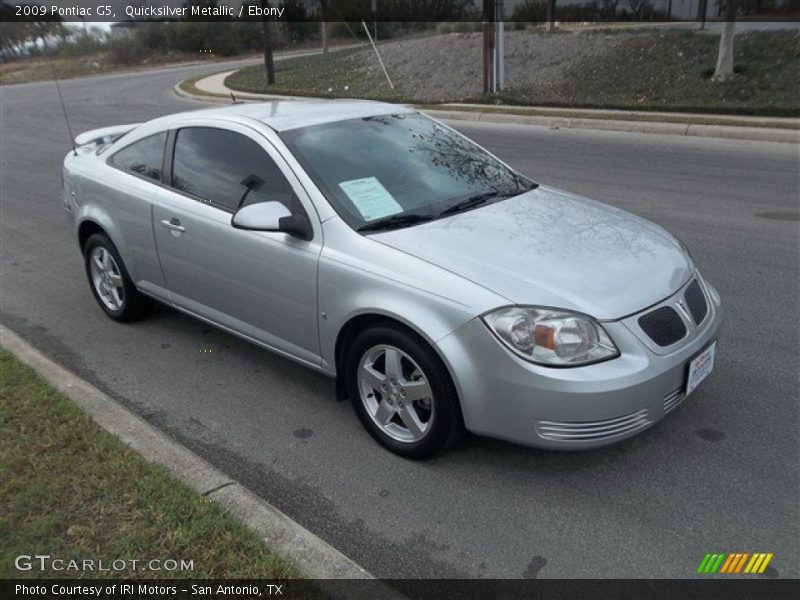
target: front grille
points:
(592, 431)
(673, 399)
(663, 325)
(696, 301)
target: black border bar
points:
(739, 587)
(353, 11)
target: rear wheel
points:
(402, 392)
(109, 280)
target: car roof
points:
(282, 115)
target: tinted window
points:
(144, 157)
(228, 169)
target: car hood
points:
(551, 248)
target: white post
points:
(378, 54)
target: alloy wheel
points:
(396, 393)
(107, 278)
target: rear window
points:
(144, 157)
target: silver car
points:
(444, 290)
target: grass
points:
(321, 76)
(649, 71)
(40, 69)
(71, 490)
(24, 70)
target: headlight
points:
(551, 337)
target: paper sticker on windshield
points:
(371, 199)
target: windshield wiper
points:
(471, 202)
(395, 221)
(483, 198)
(532, 185)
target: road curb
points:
(686, 128)
(226, 98)
(760, 134)
(314, 557)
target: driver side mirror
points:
(272, 216)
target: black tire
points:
(447, 426)
(134, 304)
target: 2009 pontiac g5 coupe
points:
(367, 241)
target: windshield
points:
(399, 169)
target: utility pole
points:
(375, 18)
(494, 70)
(550, 16)
(500, 55)
(488, 44)
(269, 63)
(323, 15)
(702, 8)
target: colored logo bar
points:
(734, 562)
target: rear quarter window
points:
(144, 158)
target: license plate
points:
(701, 367)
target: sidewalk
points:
(768, 129)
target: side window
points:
(228, 169)
(144, 157)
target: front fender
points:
(358, 276)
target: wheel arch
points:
(363, 321)
(93, 218)
(88, 228)
(360, 322)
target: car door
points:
(259, 284)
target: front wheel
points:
(402, 392)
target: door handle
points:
(173, 225)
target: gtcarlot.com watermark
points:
(46, 562)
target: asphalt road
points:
(720, 474)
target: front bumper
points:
(506, 397)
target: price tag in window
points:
(370, 198)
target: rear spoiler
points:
(105, 135)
